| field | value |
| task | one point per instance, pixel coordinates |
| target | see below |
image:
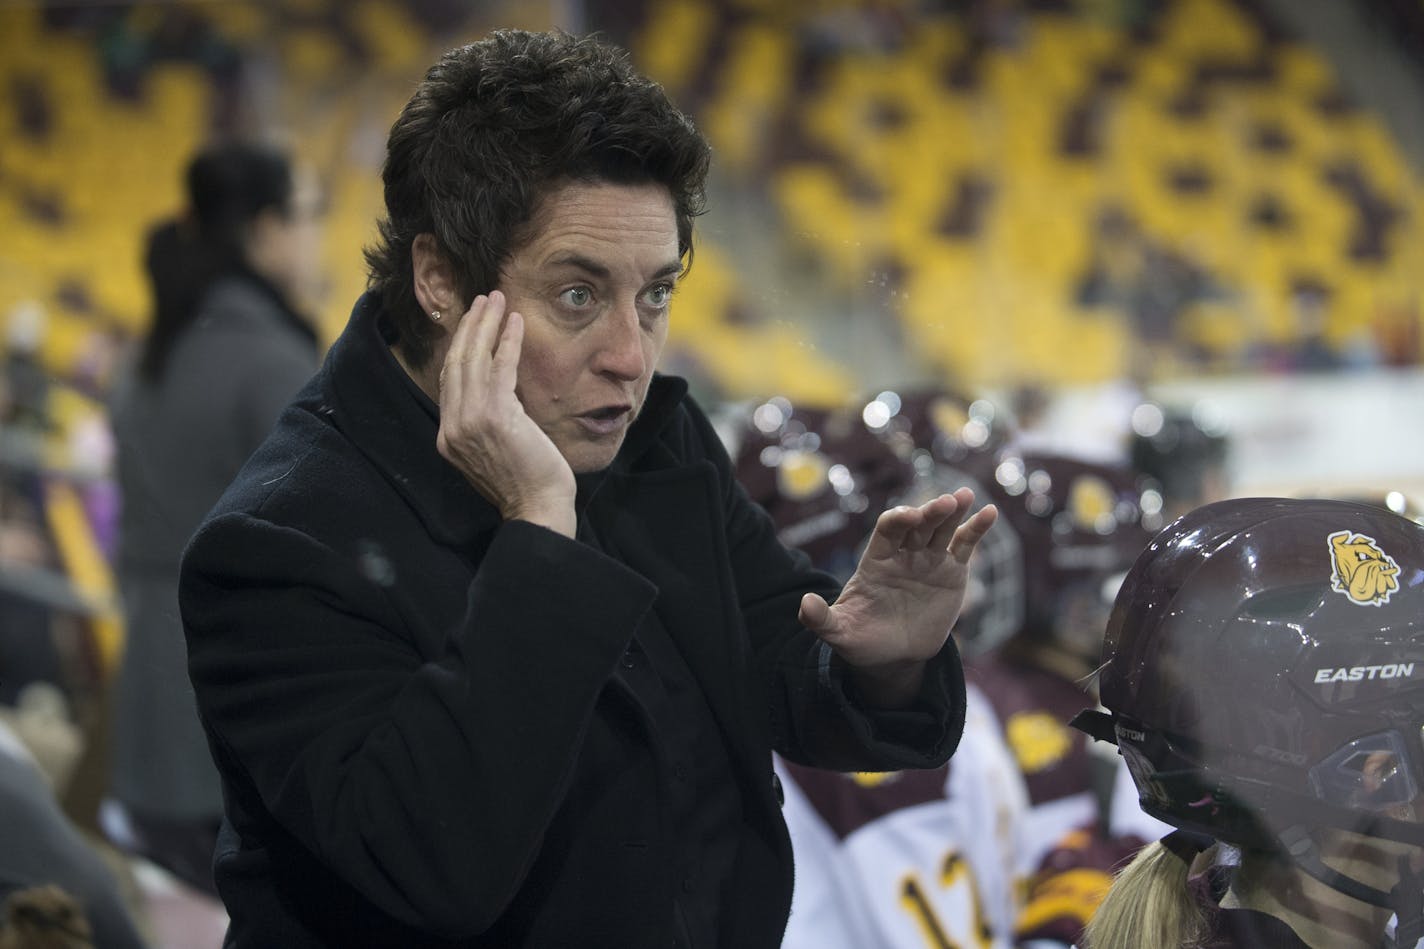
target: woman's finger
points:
(505, 367)
(967, 535)
(934, 514)
(452, 378)
(814, 614)
(945, 528)
(473, 343)
(892, 527)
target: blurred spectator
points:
(27, 650)
(57, 890)
(227, 349)
(1151, 282)
(1313, 351)
(1032, 405)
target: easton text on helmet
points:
(1396, 670)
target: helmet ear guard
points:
(1176, 789)
(1080, 524)
(1096, 724)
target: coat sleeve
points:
(816, 717)
(426, 784)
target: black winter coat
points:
(412, 704)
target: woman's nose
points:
(621, 350)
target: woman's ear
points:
(433, 277)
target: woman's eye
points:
(577, 296)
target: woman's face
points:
(593, 285)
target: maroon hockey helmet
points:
(927, 425)
(1080, 524)
(1263, 672)
(1186, 450)
(951, 440)
(822, 476)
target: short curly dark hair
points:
(490, 130)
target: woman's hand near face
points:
(484, 430)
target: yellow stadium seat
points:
(1215, 28)
(1303, 71)
(755, 84)
(397, 45)
(311, 57)
(703, 295)
(21, 25)
(1366, 139)
(672, 44)
(239, 22)
(822, 217)
(1218, 327)
(934, 43)
(1156, 73)
(83, 560)
(1063, 51)
(797, 368)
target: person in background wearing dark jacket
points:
(226, 351)
(491, 648)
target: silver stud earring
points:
(435, 315)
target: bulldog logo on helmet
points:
(1363, 572)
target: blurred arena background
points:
(1067, 208)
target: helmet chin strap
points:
(1406, 899)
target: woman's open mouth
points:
(606, 420)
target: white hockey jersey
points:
(909, 859)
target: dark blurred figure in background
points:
(55, 888)
(28, 652)
(1079, 524)
(226, 351)
(1185, 451)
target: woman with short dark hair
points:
(491, 648)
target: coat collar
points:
(381, 410)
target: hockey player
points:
(1263, 674)
(1079, 524)
(911, 859)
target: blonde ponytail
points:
(1148, 907)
